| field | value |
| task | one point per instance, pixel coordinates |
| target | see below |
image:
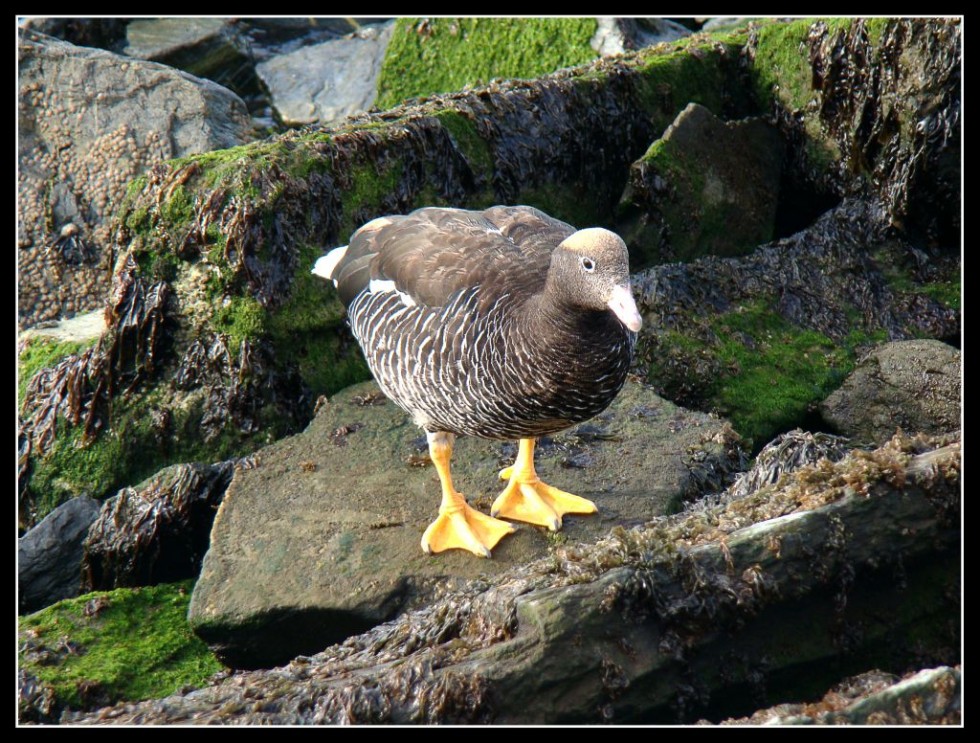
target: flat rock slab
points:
(319, 539)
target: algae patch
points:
(439, 55)
(112, 646)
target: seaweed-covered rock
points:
(49, 556)
(219, 338)
(913, 385)
(90, 121)
(319, 539)
(763, 339)
(784, 454)
(157, 532)
(929, 697)
(706, 187)
(871, 107)
(324, 83)
(771, 598)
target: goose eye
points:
(588, 264)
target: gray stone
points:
(213, 48)
(49, 556)
(913, 385)
(618, 35)
(327, 82)
(90, 121)
(725, 23)
(320, 539)
(706, 187)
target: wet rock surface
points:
(314, 84)
(686, 618)
(320, 538)
(706, 187)
(157, 532)
(913, 385)
(49, 556)
(90, 121)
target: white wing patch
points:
(381, 286)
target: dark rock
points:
(49, 556)
(157, 532)
(871, 107)
(929, 697)
(36, 701)
(913, 385)
(103, 33)
(707, 187)
(89, 122)
(772, 598)
(326, 82)
(320, 539)
(267, 34)
(212, 48)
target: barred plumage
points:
(500, 324)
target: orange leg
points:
(528, 499)
(458, 526)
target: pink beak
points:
(621, 302)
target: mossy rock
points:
(108, 647)
(706, 187)
(764, 338)
(873, 107)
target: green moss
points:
(305, 329)
(41, 352)
(179, 208)
(669, 81)
(474, 148)
(136, 646)
(440, 55)
(568, 202)
(241, 317)
(369, 189)
(946, 293)
(753, 366)
(778, 370)
(781, 69)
